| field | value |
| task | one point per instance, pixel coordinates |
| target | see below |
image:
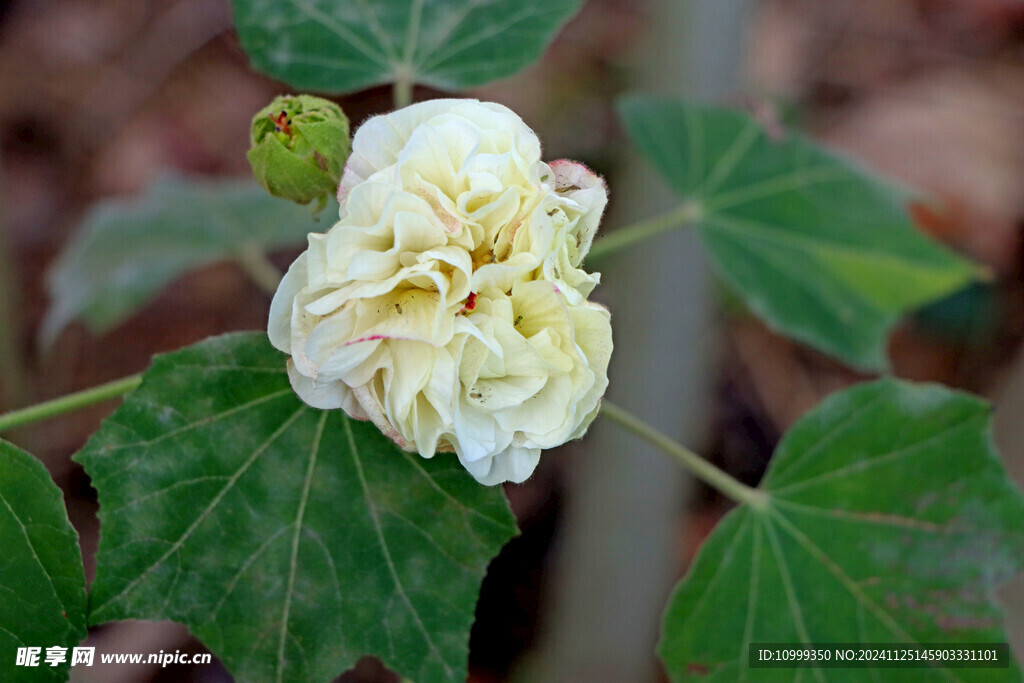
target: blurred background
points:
(100, 97)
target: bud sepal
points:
(299, 145)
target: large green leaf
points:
(290, 540)
(887, 518)
(128, 249)
(816, 246)
(41, 577)
(334, 46)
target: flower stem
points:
(736, 490)
(259, 269)
(65, 404)
(683, 215)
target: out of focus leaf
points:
(332, 46)
(126, 251)
(887, 518)
(292, 541)
(815, 245)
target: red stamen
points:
(281, 123)
(470, 303)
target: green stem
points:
(736, 490)
(260, 270)
(684, 215)
(402, 93)
(65, 404)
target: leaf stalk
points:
(684, 215)
(402, 92)
(68, 403)
(703, 469)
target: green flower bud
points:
(299, 144)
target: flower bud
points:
(299, 145)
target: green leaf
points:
(126, 251)
(291, 541)
(888, 518)
(817, 247)
(332, 46)
(41, 576)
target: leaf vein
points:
(727, 555)
(430, 480)
(339, 30)
(851, 586)
(426, 535)
(176, 545)
(861, 466)
(752, 595)
(791, 181)
(32, 548)
(399, 586)
(477, 38)
(445, 32)
(243, 568)
(787, 584)
(293, 562)
(193, 425)
(382, 36)
(826, 439)
(883, 519)
(730, 159)
(783, 236)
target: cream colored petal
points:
(321, 274)
(588, 196)
(515, 464)
(324, 395)
(378, 142)
(427, 425)
(413, 234)
(419, 275)
(538, 305)
(442, 390)
(412, 364)
(593, 334)
(500, 393)
(575, 283)
(477, 434)
(413, 314)
(279, 324)
(435, 153)
(459, 231)
(371, 405)
(492, 208)
(548, 345)
(546, 413)
(329, 349)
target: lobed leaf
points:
(126, 251)
(888, 519)
(816, 246)
(291, 541)
(331, 46)
(41, 576)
